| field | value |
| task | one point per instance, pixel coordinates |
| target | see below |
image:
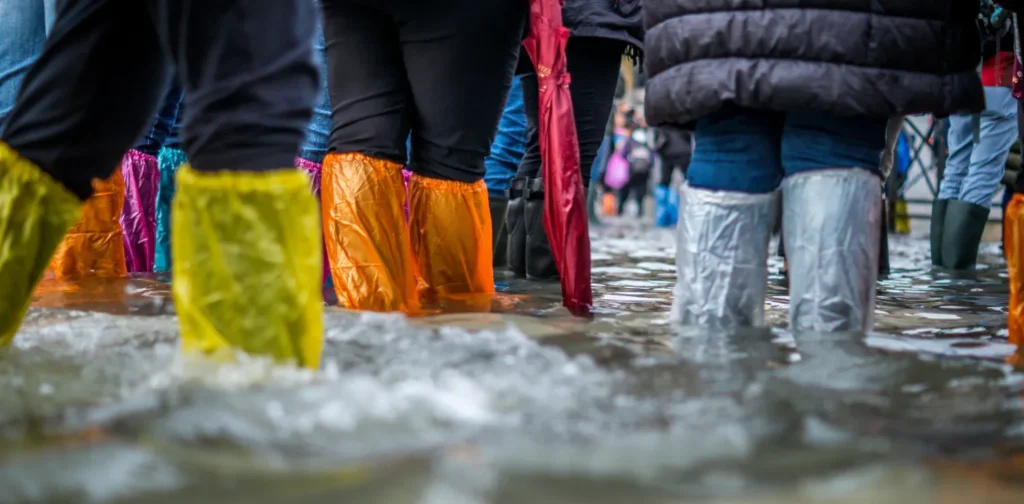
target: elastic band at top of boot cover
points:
(722, 257)
(516, 188)
(831, 225)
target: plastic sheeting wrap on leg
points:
(831, 224)
(168, 161)
(94, 246)
(138, 217)
(450, 225)
(247, 264)
(722, 257)
(1013, 223)
(35, 212)
(367, 235)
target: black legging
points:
(594, 68)
(247, 69)
(438, 70)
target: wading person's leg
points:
(726, 213)
(831, 220)
(594, 66)
(362, 190)
(79, 109)
(246, 249)
(457, 112)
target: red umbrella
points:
(565, 218)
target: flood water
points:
(526, 404)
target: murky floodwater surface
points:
(526, 404)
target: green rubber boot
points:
(938, 225)
(965, 224)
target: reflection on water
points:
(525, 404)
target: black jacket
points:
(844, 57)
(613, 19)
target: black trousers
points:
(670, 166)
(594, 68)
(439, 71)
(246, 66)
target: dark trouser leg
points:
(460, 57)
(249, 77)
(594, 66)
(246, 249)
(81, 106)
(91, 93)
(362, 190)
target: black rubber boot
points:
(540, 263)
(515, 223)
(938, 225)
(499, 235)
(961, 236)
(883, 242)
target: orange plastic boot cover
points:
(94, 245)
(366, 233)
(450, 224)
(1013, 223)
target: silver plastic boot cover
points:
(722, 257)
(831, 227)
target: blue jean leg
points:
(318, 131)
(974, 171)
(509, 144)
(157, 136)
(817, 141)
(23, 28)
(737, 149)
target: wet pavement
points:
(526, 404)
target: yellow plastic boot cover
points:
(35, 212)
(451, 237)
(247, 266)
(1013, 223)
(94, 246)
(366, 233)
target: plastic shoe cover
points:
(831, 223)
(313, 171)
(451, 237)
(246, 266)
(138, 216)
(1013, 225)
(367, 234)
(35, 212)
(94, 246)
(666, 206)
(169, 160)
(722, 257)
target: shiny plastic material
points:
(246, 264)
(722, 257)
(35, 212)
(451, 236)
(1013, 225)
(565, 212)
(314, 170)
(169, 160)
(94, 246)
(831, 224)
(138, 217)
(367, 234)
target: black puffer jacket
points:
(613, 19)
(845, 57)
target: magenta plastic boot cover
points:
(138, 216)
(313, 170)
